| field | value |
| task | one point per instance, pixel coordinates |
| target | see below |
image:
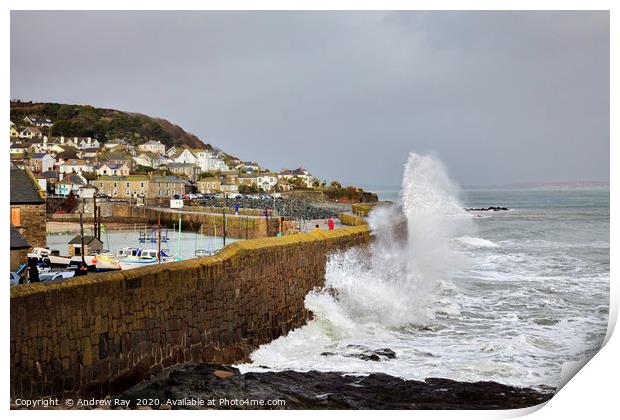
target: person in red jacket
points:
(330, 223)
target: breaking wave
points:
(396, 282)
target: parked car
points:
(176, 197)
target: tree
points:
(248, 189)
(297, 182)
(316, 182)
(206, 175)
(335, 184)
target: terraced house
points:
(140, 186)
(123, 187)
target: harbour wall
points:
(247, 225)
(101, 334)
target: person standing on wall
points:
(236, 209)
(330, 223)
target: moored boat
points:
(144, 258)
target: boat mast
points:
(179, 238)
(159, 238)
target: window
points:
(142, 185)
(115, 185)
(16, 216)
(128, 185)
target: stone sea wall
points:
(103, 333)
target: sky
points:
(499, 97)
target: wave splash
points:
(398, 281)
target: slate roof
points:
(23, 189)
(17, 240)
(77, 240)
(50, 174)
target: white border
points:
(591, 394)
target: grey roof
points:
(180, 165)
(17, 240)
(50, 174)
(77, 240)
(23, 189)
(38, 155)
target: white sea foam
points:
(450, 302)
(477, 242)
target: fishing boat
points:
(105, 262)
(55, 260)
(143, 258)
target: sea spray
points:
(395, 283)
(531, 294)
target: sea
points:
(505, 296)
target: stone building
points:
(91, 245)
(188, 170)
(19, 249)
(209, 185)
(27, 207)
(140, 186)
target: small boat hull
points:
(128, 264)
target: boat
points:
(104, 262)
(107, 261)
(53, 275)
(143, 258)
(55, 260)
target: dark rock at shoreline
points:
(366, 354)
(178, 387)
(488, 209)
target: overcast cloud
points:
(500, 97)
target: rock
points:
(222, 374)
(333, 390)
(492, 208)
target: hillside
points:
(103, 124)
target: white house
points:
(153, 146)
(151, 160)
(30, 133)
(184, 156)
(111, 169)
(77, 166)
(171, 152)
(208, 161)
(247, 167)
(267, 181)
(70, 182)
(300, 173)
(37, 121)
(41, 162)
(112, 144)
(86, 143)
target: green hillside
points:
(103, 124)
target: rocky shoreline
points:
(211, 386)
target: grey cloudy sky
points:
(500, 97)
